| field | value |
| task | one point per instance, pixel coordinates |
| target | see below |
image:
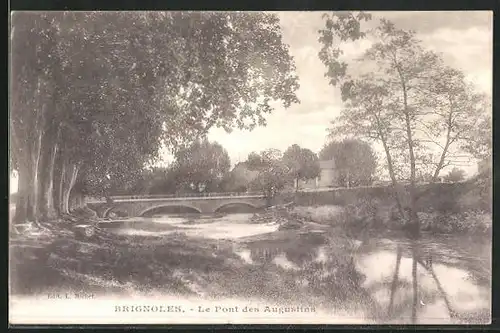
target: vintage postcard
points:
(182, 167)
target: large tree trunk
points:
(69, 183)
(42, 178)
(45, 173)
(392, 174)
(29, 132)
(40, 148)
(62, 179)
(24, 205)
(444, 153)
(414, 225)
(56, 180)
(47, 208)
(36, 156)
(76, 200)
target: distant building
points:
(241, 177)
(327, 176)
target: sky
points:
(464, 39)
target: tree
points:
(461, 120)
(156, 180)
(239, 179)
(479, 140)
(254, 161)
(407, 100)
(273, 173)
(202, 166)
(95, 94)
(355, 161)
(405, 67)
(455, 175)
(302, 163)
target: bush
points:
(373, 213)
(320, 214)
(470, 222)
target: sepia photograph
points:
(250, 167)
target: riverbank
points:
(313, 264)
(366, 218)
(177, 264)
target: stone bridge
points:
(135, 206)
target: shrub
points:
(471, 222)
(320, 214)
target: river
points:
(449, 282)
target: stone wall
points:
(469, 195)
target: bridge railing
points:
(181, 195)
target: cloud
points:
(463, 38)
(283, 130)
(429, 21)
(470, 50)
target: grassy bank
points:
(367, 216)
(179, 265)
(311, 264)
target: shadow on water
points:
(391, 280)
(426, 281)
(237, 208)
(386, 279)
(171, 210)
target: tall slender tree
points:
(409, 101)
(94, 94)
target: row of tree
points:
(206, 167)
(94, 95)
(403, 96)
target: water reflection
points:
(399, 281)
(218, 226)
(390, 279)
(419, 284)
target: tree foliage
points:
(355, 161)
(156, 180)
(95, 94)
(302, 163)
(339, 27)
(405, 97)
(239, 179)
(202, 166)
(478, 141)
(455, 175)
(273, 173)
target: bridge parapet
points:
(138, 205)
(179, 196)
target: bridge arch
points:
(108, 211)
(159, 207)
(235, 204)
